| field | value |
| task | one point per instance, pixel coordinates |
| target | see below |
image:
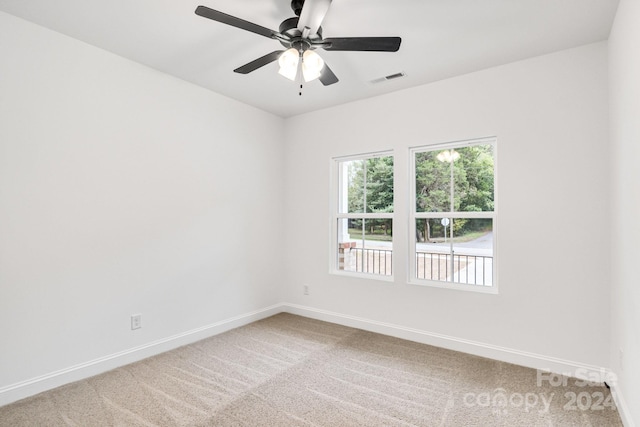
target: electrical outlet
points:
(136, 321)
(305, 289)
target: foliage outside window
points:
(364, 215)
(453, 215)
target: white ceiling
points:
(440, 39)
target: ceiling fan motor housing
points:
(289, 27)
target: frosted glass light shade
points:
(312, 65)
(288, 62)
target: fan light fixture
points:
(312, 65)
(289, 62)
(301, 36)
(448, 156)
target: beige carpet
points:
(293, 371)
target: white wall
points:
(624, 63)
(550, 115)
(124, 190)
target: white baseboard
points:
(516, 357)
(621, 404)
(23, 389)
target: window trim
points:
(335, 193)
(413, 215)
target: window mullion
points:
(453, 206)
(364, 185)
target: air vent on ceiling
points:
(389, 77)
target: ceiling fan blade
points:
(260, 62)
(327, 77)
(370, 44)
(235, 22)
(312, 15)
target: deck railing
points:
(438, 266)
(373, 261)
(467, 269)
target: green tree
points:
(355, 191)
(477, 162)
(433, 190)
(472, 187)
(380, 191)
(433, 183)
(380, 184)
(377, 190)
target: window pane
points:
(379, 231)
(430, 230)
(433, 249)
(352, 180)
(473, 179)
(364, 245)
(456, 250)
(433, 183)
(473, 251)
(379, 184)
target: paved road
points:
(484, 242)
(480, 246)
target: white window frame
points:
(413, 215)
(336, 193)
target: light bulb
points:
(312, 65)
(288, 62)
(448, 156)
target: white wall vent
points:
(389, 77)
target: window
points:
(363, 215)
(453, 216)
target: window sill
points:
(368, 276)
(455, 286)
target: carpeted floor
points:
(292, 371)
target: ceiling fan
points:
(301, 35)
